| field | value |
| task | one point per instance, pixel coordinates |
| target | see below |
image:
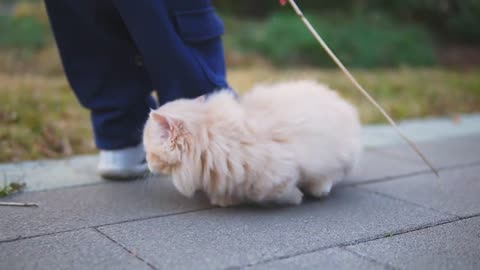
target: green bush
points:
(22, 32)
(359, 41)
(455, 20)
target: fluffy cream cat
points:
(266, 147)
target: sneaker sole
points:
(116, 174)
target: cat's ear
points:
(169, 125)
(162, 120)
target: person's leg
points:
(180, 41)
(103, 68)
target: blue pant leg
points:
(101, 63)
(180, 41)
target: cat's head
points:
(164, 140)
(172, 134)
(178, 132)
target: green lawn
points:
(40, 118)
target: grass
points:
(11, 188)
(363, 41)
(40, 117)
(404, 93)
(23, 32)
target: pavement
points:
(391, 213)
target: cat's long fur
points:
(270, 145)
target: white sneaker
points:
(127, 163)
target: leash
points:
(357, 84)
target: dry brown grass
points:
(40, 117)
(405, 93)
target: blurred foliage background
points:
(417, 57)
(364, 33)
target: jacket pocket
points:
(201, 31)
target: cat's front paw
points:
(222, 201)
(320, 189)
(290, 196)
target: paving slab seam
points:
(104, 182)
(126, 249)
(406, 201)
(103, 225)
(20, 238)
(349, 247)
(372, 260)
(388, 178)
(353, 242)
(383, 152)
(419, 228)
(411, 174)
(152, 217)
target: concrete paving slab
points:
(442, 153)
(457, 192)
(334, 259)
(450, 246)
(422, 130)
(221, 238)
(84, 249)
(79, 207)
(375, 165)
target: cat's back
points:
(308, 119)
(305, 114)
(297, 100)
